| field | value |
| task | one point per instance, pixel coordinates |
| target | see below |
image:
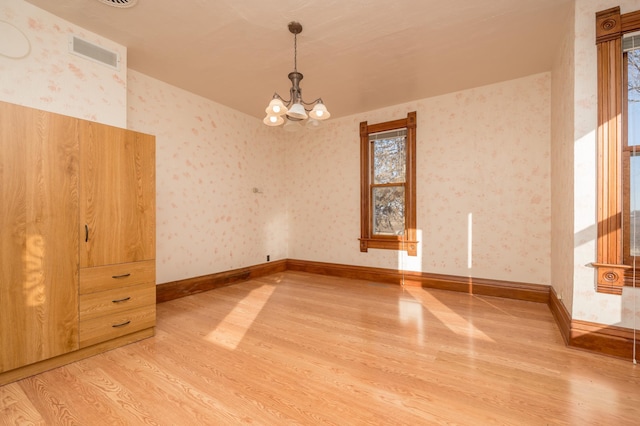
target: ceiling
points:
(358, 55)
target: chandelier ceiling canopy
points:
(295, 111)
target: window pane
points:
(634, 230)
(388, 210)
(389, 160)
(633, 76)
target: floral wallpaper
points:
(38, 71)
(483, 185)
(209, 161)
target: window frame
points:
(408, 241)
(626, 169)
(613, 267)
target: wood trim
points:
(48, 364)
(386, 126)
(410, 246)
(561, 315)
(630, 22)
(189, 286)
(609, 265)
(479, 286)
(612, 254)
(608, 24)
(593, 337)
(410, 187)
(365, 218)
(607, 340)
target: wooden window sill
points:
(410, 246)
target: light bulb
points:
(276, 107)
(273, 120)
(319, 112)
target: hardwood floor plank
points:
(15, 405)
(298, 348)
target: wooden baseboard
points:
(603, 339)
(479, 286)
(593, 337)
(59, 361)
(186, 287)
(561, 315)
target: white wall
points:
(50, 78)
(562, 170)
(482, 152)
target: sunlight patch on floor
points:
(410, 312)
(448, 317)
(232, 329)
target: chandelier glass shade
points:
(280, 111)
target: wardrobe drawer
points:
(114, 276)
(108, 302)
(118, 324)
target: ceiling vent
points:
(120, 3)
(93, 52)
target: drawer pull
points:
(120, 276)
(121, 325)
(121, 300)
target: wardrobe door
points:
(117, 195)
(38, 235)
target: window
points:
(631, 148)
(618, 164)
(388, 185)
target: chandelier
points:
(293, 111)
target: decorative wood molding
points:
(479, 286)
(610, 278)
(610, 263)
(189, 286)
(608, 24)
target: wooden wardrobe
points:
(77, 239)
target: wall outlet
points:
(268, 258)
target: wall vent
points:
(93, 52)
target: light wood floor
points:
(297, 348)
